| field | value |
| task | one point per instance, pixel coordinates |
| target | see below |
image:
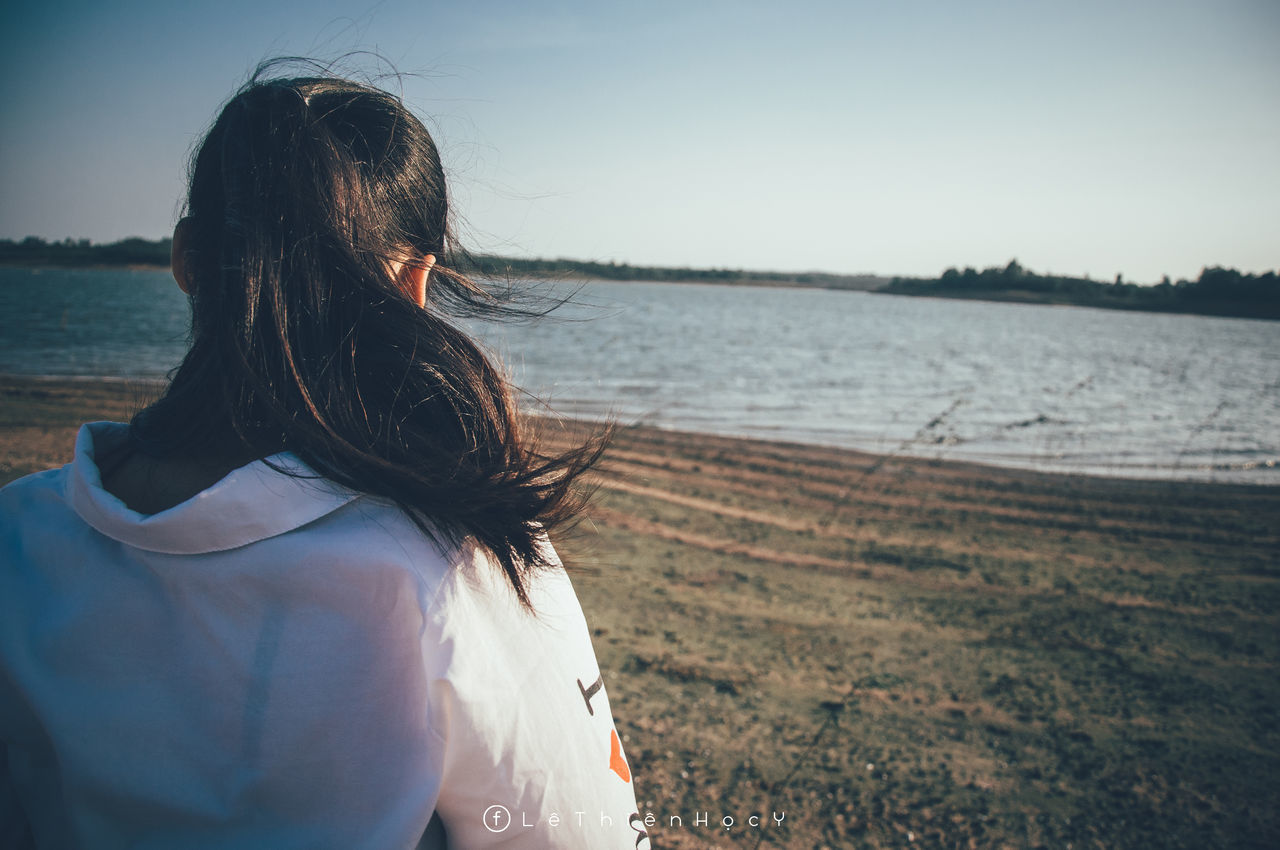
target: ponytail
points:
(304, 197)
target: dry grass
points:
(936, 655)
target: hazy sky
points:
(891, 137)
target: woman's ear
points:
(413, 277)
(178, 254)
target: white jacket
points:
(279, 662)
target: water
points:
(1073, 389)
(91, 322)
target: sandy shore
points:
(894, 652)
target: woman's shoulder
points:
(16, 492)
(477, 613)
(30, 502)
(36, 498)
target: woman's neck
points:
(150, 485)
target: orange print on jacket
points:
(617, 763)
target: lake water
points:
(1057, 388)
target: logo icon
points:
(497, 818)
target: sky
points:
(1140, 138)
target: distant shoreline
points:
(1217, 292)
(573, 277)
(1227, 310)
(97, 267)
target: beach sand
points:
(891, 652)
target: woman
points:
(306, 598)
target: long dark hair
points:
(303, 196)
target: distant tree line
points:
(493, 266)
(34, 251)
(1217, 291)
